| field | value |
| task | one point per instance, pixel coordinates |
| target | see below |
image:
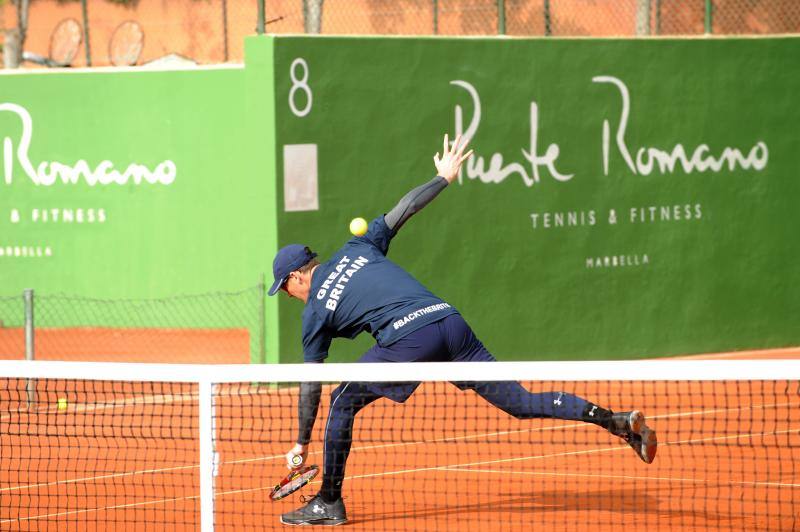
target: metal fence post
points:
(86, 47)
(29, 342)
(225, 29)
(658, 17)
(501, 17)
(261, 17)
(709, 17)
(435, 17)
(548, 30)
(262, 320)
(23, 11)
(643, 17)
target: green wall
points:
(183, 234)
(185, 213)
(529, 245)
(715, 271)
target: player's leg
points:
(327, 507)
(514, 399)
(346, 401)
(511, 397)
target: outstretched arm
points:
(307, 407)
(447, 168)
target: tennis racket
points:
(296, 479)
(126, 44)
(64, 42)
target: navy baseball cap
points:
(287, 260)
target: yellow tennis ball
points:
(62, 403)
(358, 226)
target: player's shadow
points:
(541, 502)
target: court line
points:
(97, 478)
(380, 446)
(752, 354)
(134, 400)
(629, 477)
(100, 509)
(385, 446)
(227, 391)
(570, 453)
(124, 403)
(456, 467)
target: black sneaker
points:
(630, 426)
(317, 512)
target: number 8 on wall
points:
(299, 83)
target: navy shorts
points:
(448, 340)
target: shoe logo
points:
(557, 401)
(317, 509)
(592, 411)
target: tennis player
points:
(359, 289)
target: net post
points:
(708, 22)
(207, 455)
(30, 385)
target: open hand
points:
(452, 157)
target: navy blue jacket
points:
(359, 289)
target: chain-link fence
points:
(136, 32)
(208, 328)
(132, 32)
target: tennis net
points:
(100, 446)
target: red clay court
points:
(124, 456)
